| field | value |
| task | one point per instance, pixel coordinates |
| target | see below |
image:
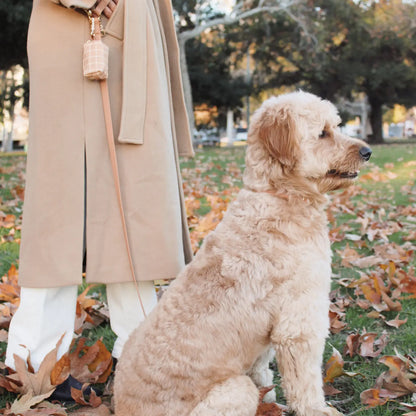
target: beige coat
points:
(68, 169)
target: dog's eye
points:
(324, 134)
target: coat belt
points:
(134, 90)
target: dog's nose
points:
(365, 153)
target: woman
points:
(71, 206)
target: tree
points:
(13, 87)
(14, 21)
(364, 47)
(388, 58)
(197, 16)
(211, 71)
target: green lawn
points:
(376, 214)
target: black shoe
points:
(62, 392)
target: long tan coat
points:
(68, 156)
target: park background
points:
(358, 54)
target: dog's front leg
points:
(261, 374)
(299, 349)
(236, 396)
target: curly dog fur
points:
(260, 280)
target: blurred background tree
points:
(338, 49)
(14, 20)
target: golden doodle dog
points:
(260, 280)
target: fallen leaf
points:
(396, 323)
(61, 370)
(3, 335)
(370, 347)
(334, 367)
(29, 382)
(330, 390)
(79, 396)
(371, 398)
(353, 342)
(26, 402)
(90, 363)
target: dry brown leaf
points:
(352, 344)
(372, 398)
(7, 310)
(61, 370)
(3, 335)
(46, 409)
(394, 363)
(348, 255)
(334, 367)
(363, 304)
(336, 325)
(38, 383)
(268, 409)
(369, 343)
(102, 364)
(396, 322)
(368, 261)
(78, 395)
(85, 301)
(409, 406)
(371, 293)
(24, 403)
(90, 364)
(392, 305)
(10, 384)
(9, 288)
(330, 390)
(375, 315)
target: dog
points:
(260, 280)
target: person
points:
(70, 208)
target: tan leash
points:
(100, 73)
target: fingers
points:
(108, 11)
(106, 7)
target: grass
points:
(388, 183)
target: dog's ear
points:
(278, 133)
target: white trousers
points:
(44, 315)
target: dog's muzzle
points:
(365, 153)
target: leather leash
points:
(96, 35)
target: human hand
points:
(108, 11)
(105, 7)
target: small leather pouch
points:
(95, 60)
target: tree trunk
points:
(364, 118)
(187, 89)
(230, 127)
(376, 120)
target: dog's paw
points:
(270, 397)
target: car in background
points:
(206, 138)
(241, 134)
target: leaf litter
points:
(363, 224)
